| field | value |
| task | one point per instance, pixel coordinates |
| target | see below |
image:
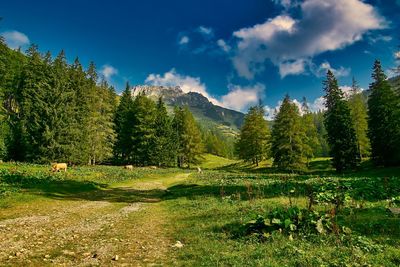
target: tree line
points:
(55, 111)
(350, 129)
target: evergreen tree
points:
(383, 119)
(342, 137)
(143, 130)
(288, 145)
(123, 121)
(311, 134)
(323, 149)
(253, 141)
(189, 144)
(163, 152)
(38, 107)
(358, 110)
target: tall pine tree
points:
(358, 110)
(288, 139)
(163, 152)
(383, 119)
(253, 141)
(123, 122)
(342, 137)
(189, 143)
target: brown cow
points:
(55, 167)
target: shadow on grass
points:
(321, 168)
(58, 187)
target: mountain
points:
(204, 111)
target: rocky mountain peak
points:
(157, 91)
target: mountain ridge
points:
(199, 105)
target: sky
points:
(233, 52)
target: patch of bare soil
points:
(85, 233)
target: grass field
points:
(106, 215)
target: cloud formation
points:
(223, 45)
(322, 69)
(324, 25)
(206, 31)
(241, 98)
(15, 39)
(108, 71)
(184, 40)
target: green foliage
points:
(54, 111)
(290, 221)
(311, 134)
(123, 127)
(289, 146)
(189, 143)
(323, 149)
(384, 120)
(163, 152)
(358, 111)
(253, 141)
(342, 137)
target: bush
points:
(290, 221)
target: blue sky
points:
(234, 52)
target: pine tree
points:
(288, 140)
(38, 106)
(189, 144)
(79, 140)
(123, 122)
(143, 131)
(311, 134)
(358, 110)
(253, 141)
(323, 149)
(163, 152)
(383, 119)
(342, 137)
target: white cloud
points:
(184, 40)
(380, 38)
(292, 67)
(241, 98)
(15, 39)
(223, 45)
(317, 105)
(108, 71)
(286, 3)
(323, 25)
(397, 55)
(205, 31)
(325, 66)
(187, 83)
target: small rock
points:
(178, 244)
(68, 253)
(116, 257)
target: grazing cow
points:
(128, 167)
(55, 167)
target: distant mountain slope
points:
(203, 110)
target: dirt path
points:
(89, 233)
